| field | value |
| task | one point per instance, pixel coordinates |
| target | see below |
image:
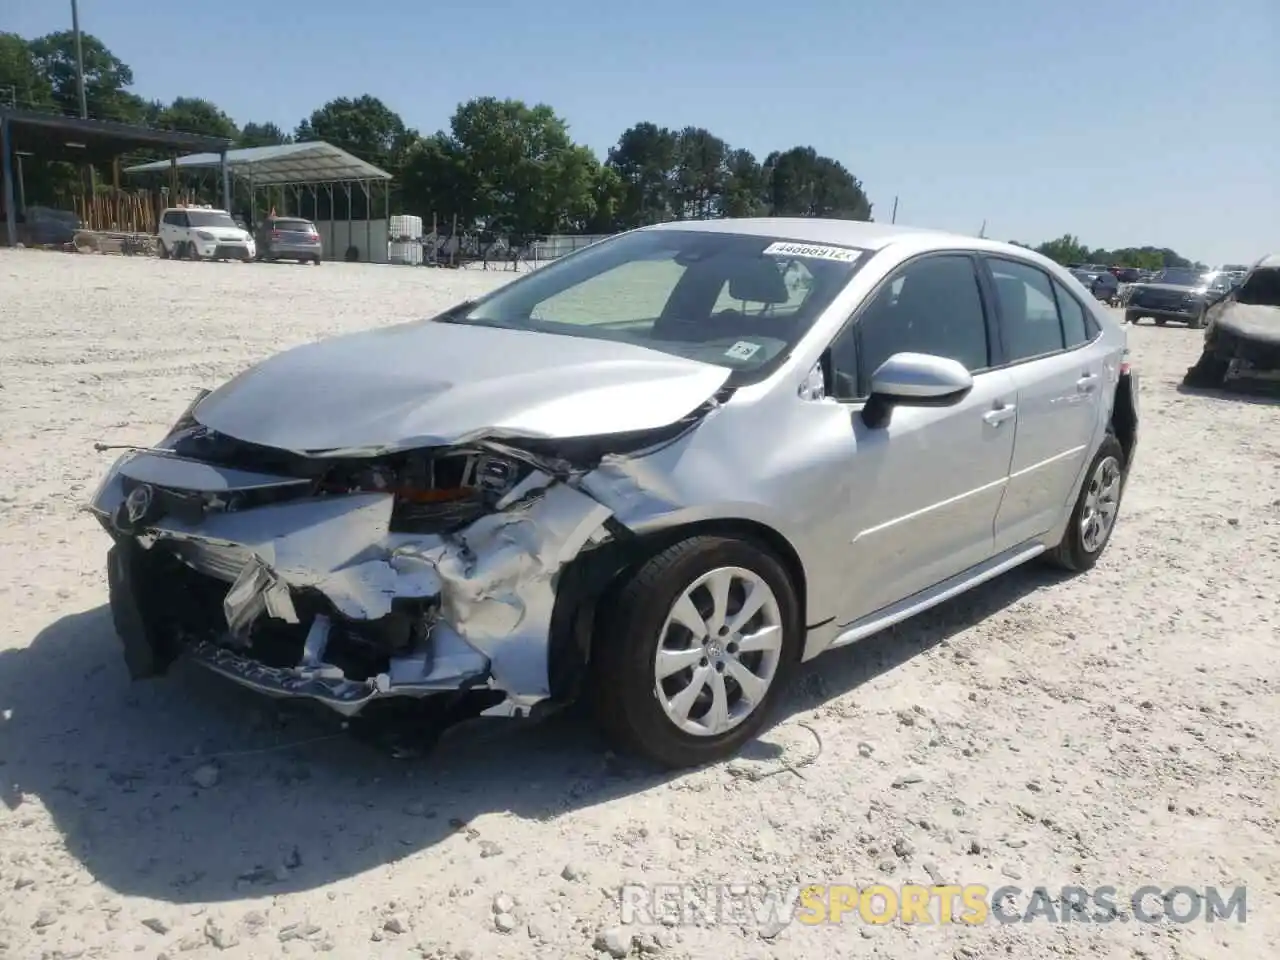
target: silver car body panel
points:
(883, 522)
(428, 384)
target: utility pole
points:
(75, 29)
(893, 217)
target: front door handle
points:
(1000, 414)
(1087, 383)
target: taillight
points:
(275, 234)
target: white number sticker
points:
(742, 350)
(813, 251)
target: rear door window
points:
(1029, 319)
(1075, 328)
(295, 226)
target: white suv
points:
(203, 233)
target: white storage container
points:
(406, 227)
(405, 252)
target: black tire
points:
(625, 702)
(1208, 373)
(1072, 554)
(1132, 317)
(1197, 322)
(192, 251)
(163, 251)
(316, 261)
(1161, 321)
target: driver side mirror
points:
(916, 380)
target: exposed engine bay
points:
(346, 579)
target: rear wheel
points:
(695, 651)
(1094, 516)
(1131, 316)
(1161, 321)
(163, 251)
(1197, 322)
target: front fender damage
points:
(480, 599)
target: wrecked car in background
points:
(657, 473)
(1242, 335)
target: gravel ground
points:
(1121, 729)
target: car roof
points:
(865, 234)
(1270, 261)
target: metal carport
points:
(313, 170)
(50, 136)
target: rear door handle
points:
(1087, 383)
(1000, 414)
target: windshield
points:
(210, 218)
(1180, 278)
(732, 300)
(1261, 289)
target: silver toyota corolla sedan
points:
(657, 473)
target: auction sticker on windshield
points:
(812, 251)
(742, 350)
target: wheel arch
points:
(588, 582)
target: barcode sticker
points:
(812, 251)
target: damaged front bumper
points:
(317, 596)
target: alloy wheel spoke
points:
(753, 687)
(766, 638)
(718, 586)
(686, 614)
(717, 718)
(683, 701)
(673, 661)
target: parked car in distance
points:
(1127, 274)
(203, 233)
(47, 226)
(1242, 335)
(1180, 294)
(659, 473)
(289, 238)
(1101, 283)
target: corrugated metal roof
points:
(311, 162)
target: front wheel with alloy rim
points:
(1094, 516)
(695, 651)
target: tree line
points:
(502, 165)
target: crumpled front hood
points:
(429, 383)
(1253, 321)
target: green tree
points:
(106, 77)
(364, 126)
(1066, 249)
(261, 135)
(526, 175)
(195, 115)
(22, 84)
(700, 175)
(802, 183)
(644, 160)
(437, 180)
(744, 189)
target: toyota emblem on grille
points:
(138, 503)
